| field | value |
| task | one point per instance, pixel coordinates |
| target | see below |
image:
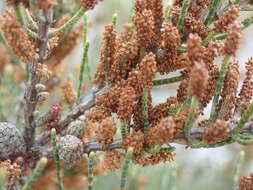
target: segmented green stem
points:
(114, 19)
(30, 22)
(18, 12)
(246, 139)
(36, 173)
(90, 170)
(190, 118)
(246, 116)
(247, 8)
(125, 168)
(144, 105)
(56, 159)
(124, 128)
(247, 22)
(183, 14)
(68, 25)
(82, 69)
(237, 172)
(218, 88)
(167, 80)
(211, 12)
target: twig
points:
(180, 22)
(36, 173)
(57, 159)
(90, 170)
(167, 80)
(144, 105)
(125, 168)
(213, 7)
(68, 25)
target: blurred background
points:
(199, 169)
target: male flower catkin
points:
(161, 133)
(112, 160)
(217, 132)
(246, 183)
(13, 169)
(89, 4)
(21, 44)
(17, 2)
(105, 131)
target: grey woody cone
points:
(76, 128)
(11, 140)
(70, 148)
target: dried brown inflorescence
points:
(106, 55)
(105, 131)
(233, 40)
(126, 103)
(89, 4)
(217, 132)
(155, 158)
(246, 183)
(17, 2)
(68, 94)
(135, 140)
(246, 92)
(198, 80)
(228, 95)
(22, 45)
(13, 169)
(228, 17)
(161, 133)
(113, 160)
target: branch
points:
(30, 95)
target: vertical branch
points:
(125, 168)
(82, 69)
(144, 103)
(213, 7)
(30, 92)
(239, 164)
(90, 170)
(218, 88)
(57, 159)
(183, 14)
(190, 118)
(36, 173)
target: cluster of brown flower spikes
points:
(155, 43)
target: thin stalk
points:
(18, 12)
(244, 139)
(211, 12)
(144, 105)
(68, 25)
(167, 80)
(190, 119)
(247, 8)
(246, 116)
(218, 88)
(125, 168)
(237, 172)
(82, 69)
(180, 22)
(36, 173)
(124, 128)
(57, 159)
(90, 170)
